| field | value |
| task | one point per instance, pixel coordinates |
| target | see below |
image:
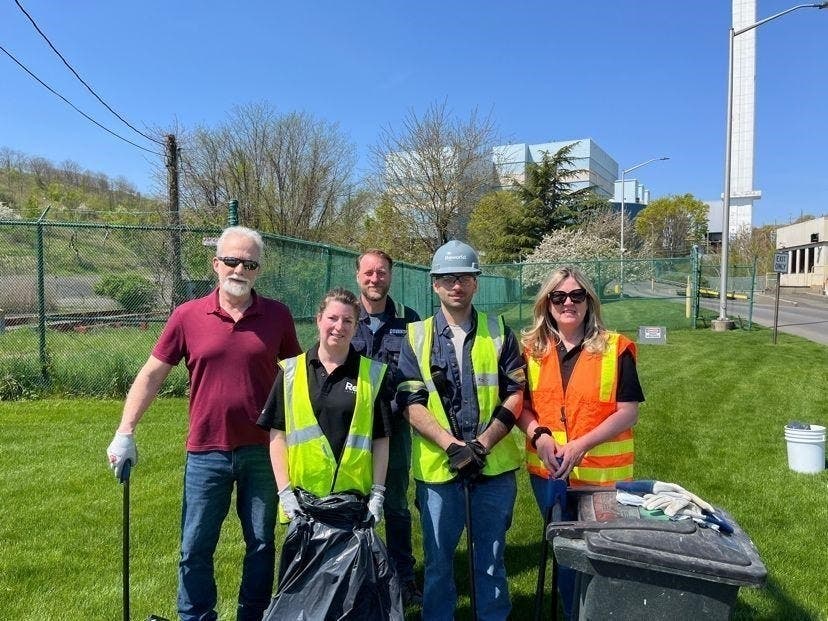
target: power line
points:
(74, 107)
(82, 81)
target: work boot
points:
(411, 594)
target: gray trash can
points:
(632, 566)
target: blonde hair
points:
(544, 336)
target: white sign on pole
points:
(780, 262)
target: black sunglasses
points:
(559, 297)
(448, 280)
(234, 262)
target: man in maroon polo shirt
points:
(230, 341)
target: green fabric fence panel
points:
(81, 304)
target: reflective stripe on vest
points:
(429, 462)
(311, 462)
(591, 403)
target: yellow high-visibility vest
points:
(429, 462)
(311, 462)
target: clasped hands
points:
(467, 459)
(559, 459)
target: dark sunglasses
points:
(234, 262)
(559, 297)
(448, 280)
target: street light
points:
(623, 203)
(723, 323)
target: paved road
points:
(804, 315)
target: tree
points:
(434, 169)
(758, 244)
(589, 206)
(491, 224)
(291, 173)
(548, 198)
(672, 224)
(384, 229)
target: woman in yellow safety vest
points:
(583, 386)
(329, 415)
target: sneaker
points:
(412, 595)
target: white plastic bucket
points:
(806, 449)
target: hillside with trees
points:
(29, 184)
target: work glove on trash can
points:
(119, 450)
(674, 500)
(375, 502)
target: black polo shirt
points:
(629, 387)
(332, 398)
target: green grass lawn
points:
(713, 421)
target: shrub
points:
(132, 291)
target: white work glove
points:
(119, 450)
(674, 500)
(661, 486)
(289, 503)
(375, 501)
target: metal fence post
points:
(752, 294)
(328, 268)
(233, 213)
(41, 300)
(695, 272)
(520, 293)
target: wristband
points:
(505, 416)
(539, 431)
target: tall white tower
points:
(742, 192)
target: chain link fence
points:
(81, 305)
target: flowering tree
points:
(595, 248)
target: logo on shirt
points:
(397, 331)
(350, 387)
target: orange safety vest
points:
(589, 399)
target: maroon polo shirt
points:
(232, 366)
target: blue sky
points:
(643, 78)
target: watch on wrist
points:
(539, 431)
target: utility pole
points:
(175, 222)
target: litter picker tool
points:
(439, 379)
(554, 507)
(124, 480)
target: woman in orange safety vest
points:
(583, 385)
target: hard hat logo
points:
(455, 257)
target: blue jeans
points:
(443, 517)
(208, 486)
(397, 513)
(566, 575)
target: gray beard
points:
(236, 288)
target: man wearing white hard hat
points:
(462, 380)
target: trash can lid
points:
(682, 547)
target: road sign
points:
(780, 262)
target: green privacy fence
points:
(82, 304)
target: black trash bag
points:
(334, 566)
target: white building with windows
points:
(807, 246)
(599, 169)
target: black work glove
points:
(464, 460)
(479, 450)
